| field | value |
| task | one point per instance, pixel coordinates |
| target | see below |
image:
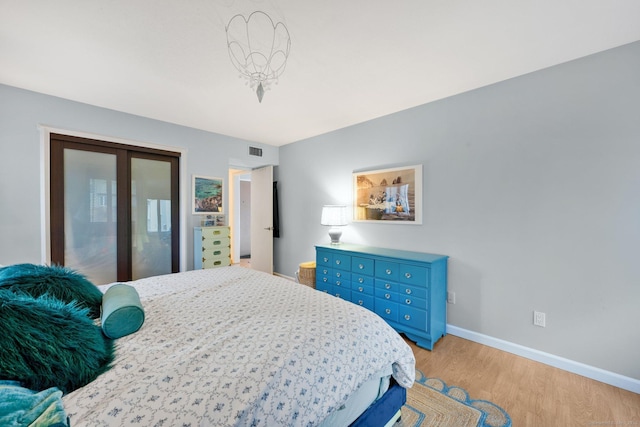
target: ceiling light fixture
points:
(258, 49)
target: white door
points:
(262, 219)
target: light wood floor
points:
(534, 394)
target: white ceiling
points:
(350, 61)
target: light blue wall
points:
(21, 112)
(531, 186)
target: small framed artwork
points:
(207, 195)
(212, 220)
(391, 195)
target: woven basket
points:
(307, 274)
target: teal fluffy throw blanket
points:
(23, 407)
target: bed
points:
(233, 346)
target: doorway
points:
(240, 216)
(251, 218)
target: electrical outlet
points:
(539, 319)
(451, 297)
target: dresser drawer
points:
(412, 317)
(386, 285)
(387, 295)
(360, 285)
(386, 270)
(413, 275)
(363, 300)
(412, 302)
(325, 287)
(412, 291)
(323, 258)
(222, 252)
(215, 242)
(343, 293)
(215, 262)
(327, 279)
(342, 262)
(212, 232)
(387, 310)
(362, 266)
(341, 282)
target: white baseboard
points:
(293, 279)
(592, 372)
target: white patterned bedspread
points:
(232, 346)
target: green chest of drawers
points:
(211, 247)
(407, 289)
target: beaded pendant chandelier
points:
(258, 49)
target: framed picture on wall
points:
(212, 220)
(207, 195)
(391, 195)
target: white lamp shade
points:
(334, 215)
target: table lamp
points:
(334, 216)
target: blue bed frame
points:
(382, 410)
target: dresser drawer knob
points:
(408, 291)
(338, 283)
(388, 311)
(361, 267)
(325, 271)
(338, 261)
(361, 280)
(388, 271)
(324, 279)
(387, 296)
(360, 302)
(387, 286)
(407, 275)
(407, 317)
(325, 259)
(408, 301)
(360, 288)
(338, 274)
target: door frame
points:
(236, 174)
(45, 197)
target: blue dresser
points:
(407, 289)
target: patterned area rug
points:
(430, 402)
